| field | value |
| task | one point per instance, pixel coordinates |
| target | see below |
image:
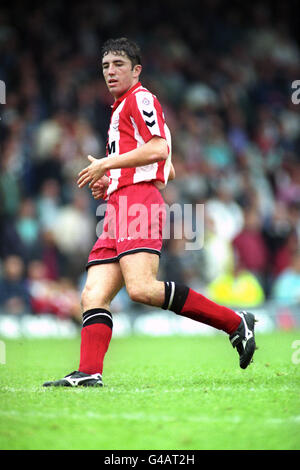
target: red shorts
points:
(133, 222)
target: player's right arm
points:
(100, 187)
(151, 152)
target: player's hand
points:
(100, 187)
(92, 173)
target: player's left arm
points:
(172, 174)
(155, 150)
(100, 187)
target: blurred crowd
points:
(224, 78)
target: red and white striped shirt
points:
(136, 117)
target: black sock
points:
(175, 296)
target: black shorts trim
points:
(125, 253)
(139, 250)
(101, 261)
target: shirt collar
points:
(119, 100)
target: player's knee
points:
(91, 298)
(138, 293)
(86, 297)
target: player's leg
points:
(139, 271)
(140, 274)
(103, 282)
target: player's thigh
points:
(140, 275)
(102, 284)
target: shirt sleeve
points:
(147, 116)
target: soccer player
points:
(137, 164)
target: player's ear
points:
(137, 70)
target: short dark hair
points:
(123, 46)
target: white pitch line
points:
(150, 390)
(235, 419)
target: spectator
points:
(249, 245)
(225, 212)
(14, 294)
(74, 231)
(59, 298)
(48, 203)
(27, 225)
(283, 256)
(286, 287)
(218, 254)
(237, 289)
(40, 287)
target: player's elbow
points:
(161, 150)
(164, 152)
(172, 174)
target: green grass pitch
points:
(164, 393)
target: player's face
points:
(119, 74)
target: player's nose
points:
(111, 69)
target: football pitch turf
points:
(167, 393)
